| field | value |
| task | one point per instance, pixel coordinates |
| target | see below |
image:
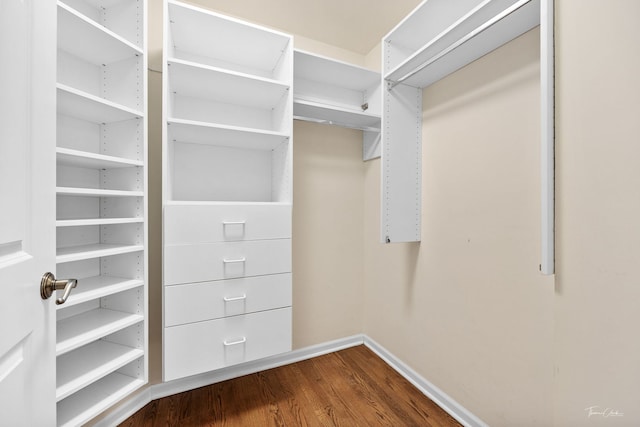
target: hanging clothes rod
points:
(336, 123)
(393, 83)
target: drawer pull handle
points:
(236, 342)
(225, 223)
(231, 261)
(229, 299)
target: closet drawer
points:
(220, 223)
(212, 300)
(215, 261)
(204, 346)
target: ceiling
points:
(355, 25)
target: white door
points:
(27, 211)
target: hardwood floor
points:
(352, 387)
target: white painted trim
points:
(127, 408)
(157, 391)
(440, 398)
(547, 133)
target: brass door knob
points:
(49, 284)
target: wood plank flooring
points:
(351, 387)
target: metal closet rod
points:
(336, 123)
(391, 83)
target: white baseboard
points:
(127, 407)
(157, 391)
(440, 398)
(189, 383)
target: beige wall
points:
(467, 307)
(597, 304)
(328, 205)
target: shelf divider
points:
(84, 328)
(91, 288)
(96, 192)
(84, 366)
(79, 408)
(97, 221)
(85, 159)
(79, 253)
(195, 132)
(85, 106)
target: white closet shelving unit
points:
(227, 153)
(101, 208)
(338, 93)
(436, 39)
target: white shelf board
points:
(201, 81)
(85, 38)
(225, 38)
(76, 331)
(79, 408)
(426, 21)
(78, 253)
(219, 203)
(322, 69)
(84, 366)
(96, 192)
(82, 105)
(85, 159)
(91, 288)
(97, 221)
(323, 113)
(479, 32)
(104, 3)
(195, 132)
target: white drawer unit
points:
(196, 302)
(216, 261)
(208, 224)
(227, 190)
(204, 346)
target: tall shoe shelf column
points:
(227, 191)
(101, 208)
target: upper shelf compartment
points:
(98, 45)
(194, 80)
(231, 44)
(320, 69)
(441, 36)
(119, 19)
(96, 59)
(335, 92)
